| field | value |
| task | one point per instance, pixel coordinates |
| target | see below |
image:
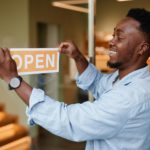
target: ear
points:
(143, 48)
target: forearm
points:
(81, 63)
(24, 92)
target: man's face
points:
(125, 42)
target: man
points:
(119, 118)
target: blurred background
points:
(40, 24)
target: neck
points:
(125, 71)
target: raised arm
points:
(8, 70)
(89, 77)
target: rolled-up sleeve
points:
(90, 80)
(78, 122)
(36, 97)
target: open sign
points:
(36, 60)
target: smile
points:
(112, 53)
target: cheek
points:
(124, 48)
(125, 53)
(122, 53)
(123, 45)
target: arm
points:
(92, 80)
(75, 122)
(89, 78)
(101, 119)
(8, 70)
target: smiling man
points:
(119, 118)
(129, 41)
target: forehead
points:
(127, 25)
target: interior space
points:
(45, 24)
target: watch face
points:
(14, 82)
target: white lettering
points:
(28, 60)
(50, 61)
(39, 59)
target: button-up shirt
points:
(118, 118)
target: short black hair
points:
(143, 17)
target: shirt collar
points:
(140, 73)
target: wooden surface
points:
(13, 136)
(6, 118)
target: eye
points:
(120, 38)
(117, 37)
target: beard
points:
(114, 65)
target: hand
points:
(8, 68)
(70, 49)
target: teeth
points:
(110, 52)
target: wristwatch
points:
(15, 83)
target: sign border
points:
(38, 49)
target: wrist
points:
(8, 79)
(15, 83)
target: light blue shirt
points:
(118, 119)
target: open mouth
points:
(112, 52)
(108, 52)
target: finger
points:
(2, 55)
(63, 46)
(7, 54)
(2, 52)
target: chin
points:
(115, 65)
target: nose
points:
(112, 42)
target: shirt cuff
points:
(86, 78)
(36, 97)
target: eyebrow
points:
(118, 30)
